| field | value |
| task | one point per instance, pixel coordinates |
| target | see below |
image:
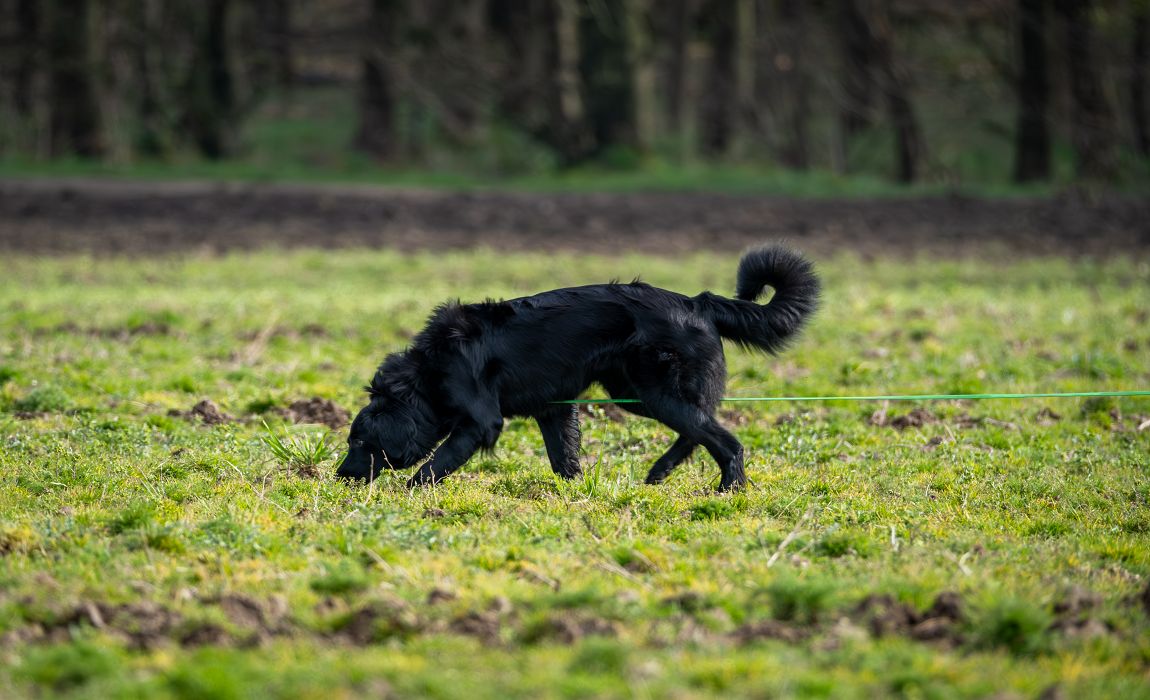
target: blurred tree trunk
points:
(377, 134)
(794, 83)
(1093, 122)
(155, 136)
(747, 35)
(641, 61)
(211, 104)
(466, 70)
(907, 134)
(681, 19)
(719, 100)
(606, 63)
(29, 21)
(524, 33)
(75, 123)
(858, 83)
(278, 23)
(1032, 87)
(568, 131)
(541, 88)
(1140, 68)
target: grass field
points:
(957, 550)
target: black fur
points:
(473, 364)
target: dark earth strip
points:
(249, 621)
(116, 217)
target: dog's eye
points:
(357, 443)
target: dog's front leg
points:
(463, 442)
(560, 428)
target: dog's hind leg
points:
(695, 427)
(723, 447)
(672, 458)
(560, 428)
(680, 386)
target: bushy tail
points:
(767, 327)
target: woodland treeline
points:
(788, 82)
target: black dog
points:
(476, 363)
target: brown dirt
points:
(378, 621)
(318, 411)
(439, 595)
(1075, 614)
(147, 624)
(249, 613)
(205, 411)
(770, 629)
(883, 615)
(484, 625)
(914, 419)
(143, 625)
(570, 627)
(117, 217)
(1047, 417)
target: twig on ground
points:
(256, 347)
(795, 532)
(249, 484)
(614, 568)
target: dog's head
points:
(395, 430)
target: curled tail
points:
(767, 327)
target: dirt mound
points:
(879, 615)
(378, 621)
(318, 411)
(1075, 615)
(142, 625)
(484, 625)
(914, 419)
(205, 411)
(883, 616)
(770, 629)
(569, 627)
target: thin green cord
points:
(902, 397)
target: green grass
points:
(144, 554)
(306, 137)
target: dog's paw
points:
(731, 486)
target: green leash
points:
(902, 397)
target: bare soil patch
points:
(116, 217)
(205, 411)
(318, 411)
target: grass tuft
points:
(304, 451)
